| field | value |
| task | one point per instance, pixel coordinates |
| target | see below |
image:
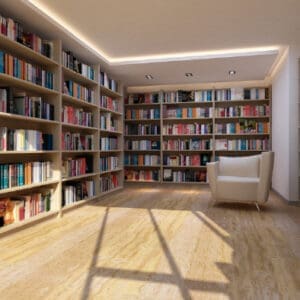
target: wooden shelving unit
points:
(60, 99)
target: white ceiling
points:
(134, 28)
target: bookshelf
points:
(196, 126)
(51, 158)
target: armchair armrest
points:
(212, 174)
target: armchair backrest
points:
(247, 166)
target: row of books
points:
(77, 166)
(194, 128)
(110, 103)
(15, 32)
(141, 159)
(78, 91)
(21, 69)
(109, 143)
(108, 82)
(71, 62)
(76, 191)
(108, 122)
(142, 175)
(136, 114)
(188, 144)
(108, 163)
(23, 207)
(184, 176)
(76, 141)
(240, 93)
(243, 126)
(76, 116)
(21, 104)
(188, 96)
(19, 174)
(144, 98)
(142, 145)
(242, 144)
(24, 140)
(186, 160)
(108, 182)
(188, 112)
(243, 111)
(142, 129)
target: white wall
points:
(280, 128)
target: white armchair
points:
(241, 179)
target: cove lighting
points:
(182, 56)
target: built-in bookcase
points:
(58, 126)
(195, 127)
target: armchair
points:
(241, 179)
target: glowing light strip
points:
(226, 53)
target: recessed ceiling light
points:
(232, 72)
(188, 74)
(148, 76)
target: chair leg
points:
(256, 204)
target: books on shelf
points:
(23, 173)
(240, 93)
(109, 122)
(137, 114)
(194, 160)
(241, 127)
(15, 32)
(181, 129)
(21, 69)
(242, 144)
(142, 129)
(188, 144)
(77, 141)
(184, 176)
(141, 159)
(77, 166)
(108, 163)
(77, 190)
(22, 207)
(188, 112)
(243, 111)
(146, 98)
(188, 96)
(70, 61)
(24, 140)
(78, 91)
(110, 103)
(109, 143)
(108, 82)
(142, 145)
(142, 175)
(108, 182)
(76, 116)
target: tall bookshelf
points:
(198, 126)
(51, 132)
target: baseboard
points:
(285, 200)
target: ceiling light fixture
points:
(231, 72)
(189, 75)
(149, 76)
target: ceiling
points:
(167, 38)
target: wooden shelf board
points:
(190, 151)
(111, 171)
(78, 77)
(79, 126)
(242, 102)
(141, 120)
(27, 187)
(78, 203)
(28, 152)
(77, 101)
(240, 134)
(108, 92)
(27, 85)
(142, 181)
(183, 167)
(186, 182)
(112, 190)
(27, 119)
(190, 103)
(143, 136)
(110, 132)
(154, 151)
(79, 151)
(141, 167)
(187, 119)
(141, 104)
(188, 135)
(110, 151)
(79, 177)
(238, 118)
(111, 111)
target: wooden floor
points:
(163, 243)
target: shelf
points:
(79, 78)
(73, 100)
(142, 105)
(141, 167)
(142, 120)
(184, 167)
(33, 219)
(187, 182)
(79, 151)
(242, 102)
(112, 190)
(142, 181)
(154, 151)
(190, 103)
(187, 119)
(188, 135)
(108, 92)
(240, 134)
(187, 151)
(79, 177)
(27, 187)
(239, 118)
(111, 111)
(145, 137)
(241, 151)
(28, 152)
(110, 171)
(78, 203)
(110, 151)
(24, 84)
(27, 119)
(110, 132)
(26, 52)
(79, 126)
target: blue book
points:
(5, 177)
(2, 62)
